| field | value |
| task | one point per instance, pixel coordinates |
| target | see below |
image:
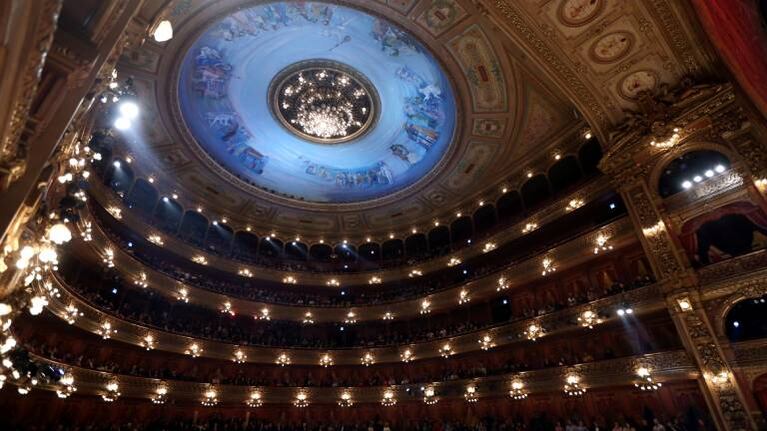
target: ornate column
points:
(668, 125)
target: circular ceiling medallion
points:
(384, 107)
(612, 47)
(324, 101)
(575, 13)
(637, 82)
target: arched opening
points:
(690, 169)
(510, 207)
(193, 228)
(439, 241)
(119, 176)
(589, 155)
(270, 247)
(296, 250)
(245, 246)
(416, 246)
(168, 214)
(143, 197)
(484, 219)
(461, 231)
(346, 253)
(564, 174)
(745, 320)
(393, 249)
(535, 191)
(101, 143)
(370, 251)
(320, 252)
(726, 232)
(219, 239)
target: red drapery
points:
(734, 27)
(688, 236)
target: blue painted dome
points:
(400, 116)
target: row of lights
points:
(572, 387)
(718, 169)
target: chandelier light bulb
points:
(59, 234)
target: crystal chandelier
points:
(323, 101)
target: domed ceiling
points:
(316, 102)
(462, 100)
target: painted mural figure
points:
(404, 154)
(236, 136)
(393, 40)
(211, 73)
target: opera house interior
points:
(383, 215)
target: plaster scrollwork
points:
(658, 239)
(516, 21)
(713, 365)
(13, 152)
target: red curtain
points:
(734, 27)
(688, 236)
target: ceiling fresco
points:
(498, 106)
(224, 97)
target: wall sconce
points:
(210, 398)
(486, 342)
(239, 356)
(194, 350)
(326, 360)
(255, 399)
(602, 244)
(346, 399)
(430, 396)
(446, 351)
(503, 284)
(463, 297)
(646, 382)
(572, 386)
(388, 398)
(534, 332)
(283, 359)
(548, 266)
(302, 399)
(367, 359)
(517, 391)
(160, 395)
(471, 394)
(589, 318)
(113, 392)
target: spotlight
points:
(122, 123)
(709, 173)
(612, 206)
(165, 199)
(736, 324)
(686, 184)
(697, 178)
(719, 168)
(116, 164)
(129, 110)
